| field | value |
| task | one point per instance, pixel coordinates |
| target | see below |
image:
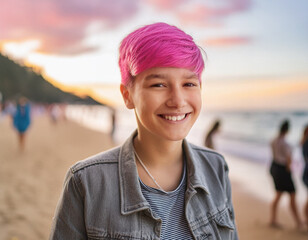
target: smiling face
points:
(167, 102)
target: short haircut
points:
(158, 45)
(284, 127)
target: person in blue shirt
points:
(22, 120)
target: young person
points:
(156, 185)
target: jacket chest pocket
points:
(218, 227)
(223, 226)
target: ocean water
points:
(248, 134)
(242, 134)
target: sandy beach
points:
(31, 182)
(252, 191)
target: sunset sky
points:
(257, 50)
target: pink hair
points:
(158, 45)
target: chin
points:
(175, 137)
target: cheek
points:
(142, 105)
(196, 100)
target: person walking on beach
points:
(210, 135)
(22, 120)
(280, 171)
(305, 173)
(156, 185)
(113, 123)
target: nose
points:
(176, 98)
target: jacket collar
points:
(196, 177)
(132, 199)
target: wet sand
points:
(31, 182)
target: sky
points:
(256, 50)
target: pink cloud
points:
(209, 15)
(60, 25)
(225, 41)
(166, 4)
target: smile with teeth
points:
(174, 118)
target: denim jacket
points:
(102, 198)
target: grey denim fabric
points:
(102, 198)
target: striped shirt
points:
(169, 207)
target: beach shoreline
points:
(31, 182)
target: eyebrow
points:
(155, 75)
(191, 76)
(164, 76)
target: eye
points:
(158, 85)
(191, 84)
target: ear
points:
(126, 94)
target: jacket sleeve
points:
(230, 204)
(68, 222)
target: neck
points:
(158, 153)
(162, 159)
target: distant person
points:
(305, 174)
(156, 185)
(55, 113)
(281, 172)
(210, 135)
(22, 120)
(113, 123)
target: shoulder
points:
(107, 157)
(204, 150)
(273, 141)
(86, 176)
(208, 156)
